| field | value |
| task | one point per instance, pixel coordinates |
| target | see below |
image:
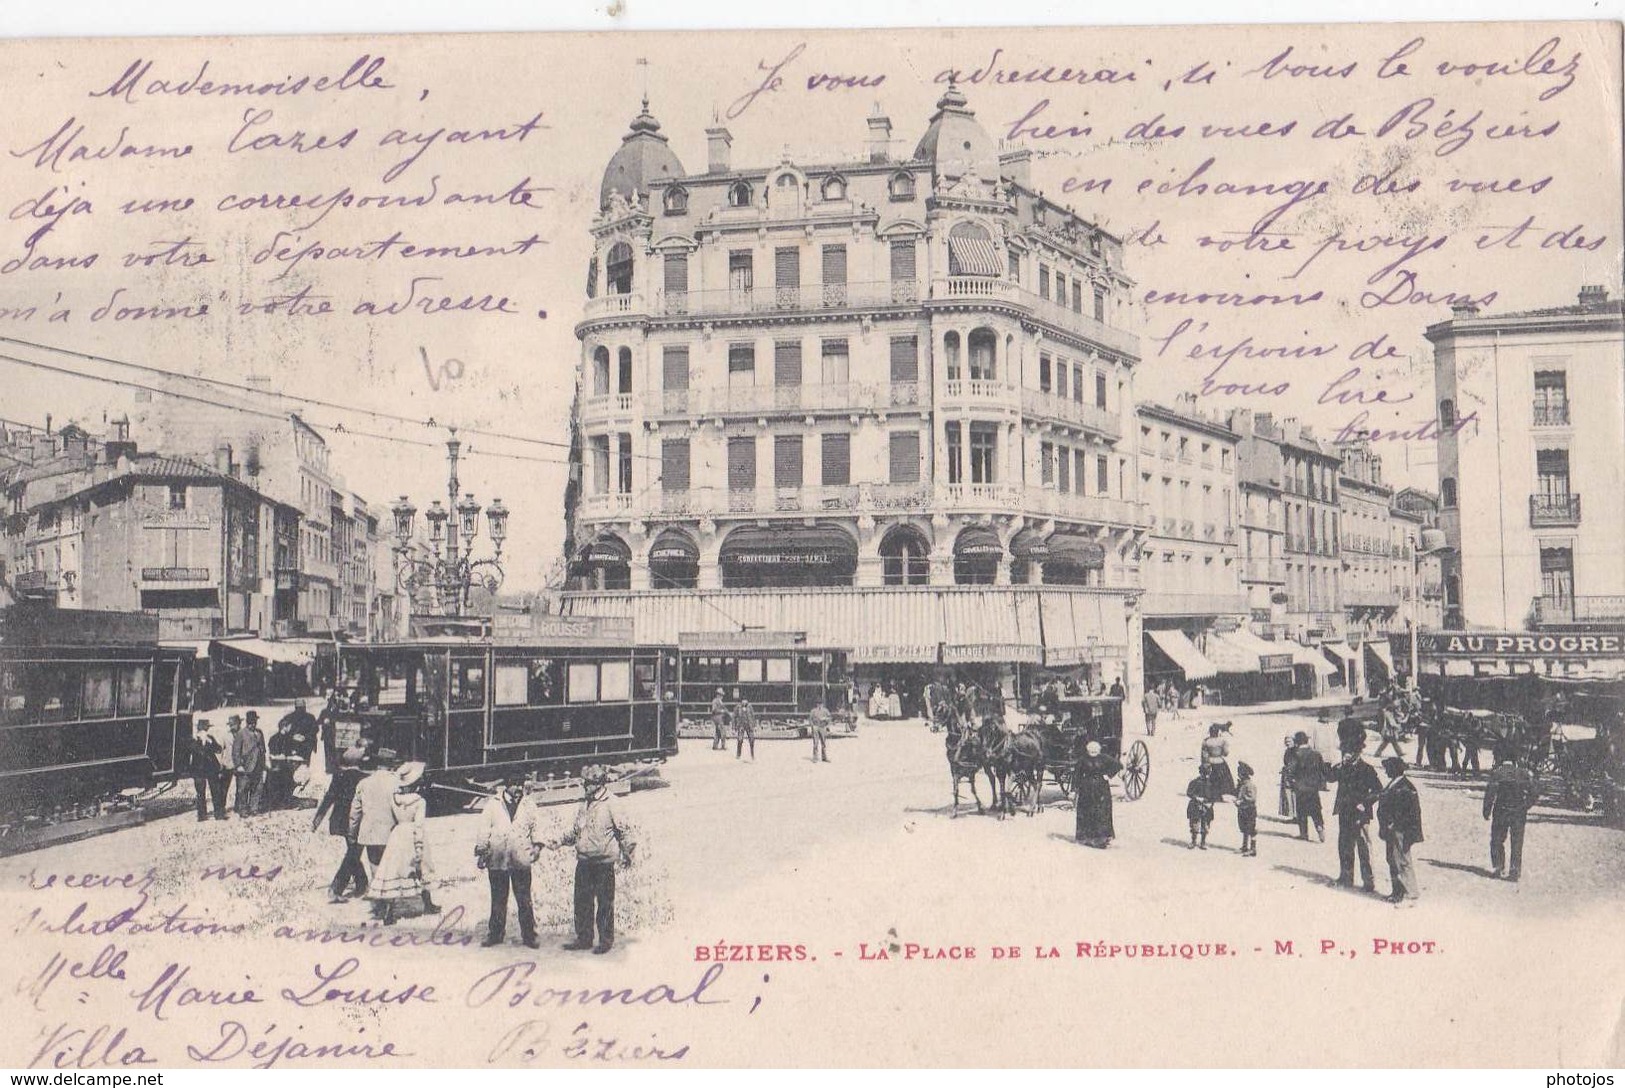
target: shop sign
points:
(901, 653)
(177, 519)
(993, 651)
(1275, 662)
(1067, 655)
(1463, 644)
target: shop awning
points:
(200, 647)
(1077, 551)
(974, 257)
(1341, 655)
(978, 540)
(607, 551)
(819, 548)
(672, 547)
(287, 653)
(1229, 654)
(1029, 544)
(1272, 656)
(1303, 655)
(982, 626)
(1183, 652)
(1383, 654)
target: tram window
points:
(778, 670)
(583, 682)
(98, 688)
(53, 692)
(750, 670)
(132, 690)
(644, 678)
(512, 686)
(546, 682)
(812, 668)
(615, 684)
(467, 683)
(13, 700)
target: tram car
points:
(783, 678)
(475, 710)
(93, 712)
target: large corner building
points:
(886, 403)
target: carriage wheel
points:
(1136, 770)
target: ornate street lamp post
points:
(450, 572)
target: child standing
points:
(1247, 810)
(1199, 809)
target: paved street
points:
(862, 850)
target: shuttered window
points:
(1063, 468)
(1100, 304)
(674, 470)
(837, 363)
(787, 267)
(835, 264)
(1100, 390)
(902, 261)
(836, 457)
(741, 365)
(1046, 463)
(905, 359)
(1043, 281)
(905, 457)
(787, 363)
(1103, 477)
(674, 367)
(1080, 462)
(677, 272)
(742, 463)
(787, 460)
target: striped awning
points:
(1383, 654)
(1183, 652)
(1303, 655)
(1231, 655)
(983, 626)
(973, 257)
(1340, 653)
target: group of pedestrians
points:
(740, 721)
(264, 772)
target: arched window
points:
(984, 344)
(619, 267)
(834, 188)
(674, 561)
(1447, 492)
(787, 193)
(676, 201)
(739, 195)
(902, 186)
(905, 557)
(592, 278)
(977, 554)
(600, 372)
(971, 251)
(623, 371)
(950, 353)
(607, 563)
(1447, 413)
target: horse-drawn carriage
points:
(1046, 749)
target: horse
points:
(1024, 768)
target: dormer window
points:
(739, 195)
(676, 202)
(834, 188)
(902, 186)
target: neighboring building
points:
(1370, 551)
(1418, 511)
(1190, 564)
(889, 395)
(146, 532)
(1532, 422)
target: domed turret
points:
(644, 156)
(955, 143)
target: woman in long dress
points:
(1092, 786)
(1216, 758)
(400, 884)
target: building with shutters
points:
(893, 394)
(1531, 423)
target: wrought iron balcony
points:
(1553, 510)
(812, 297)
(1585, 609)
(1552, 415)
(1043, 405)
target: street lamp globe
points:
(404, 512)
(437, 518)
(497, 516)
(469, 511)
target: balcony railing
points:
(1044, 405)
(1083, 324)
(1156, 603)
(1552, 415)
(1261, 568)
(607, 503)
(769, 300)
(612, 305)
(980, 389)
(988, 287)
(761, 400)
(979, 496)
(607, 406)
(1088, 508)
(35, 581)
(1549, 510)
(1585, 609)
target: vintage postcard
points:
(946, 547)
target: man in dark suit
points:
(1512, 792)
(1306, 769)
(1399, 824)
(1357, 786)
(248, 760)
(336, 807)
(209, 778)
